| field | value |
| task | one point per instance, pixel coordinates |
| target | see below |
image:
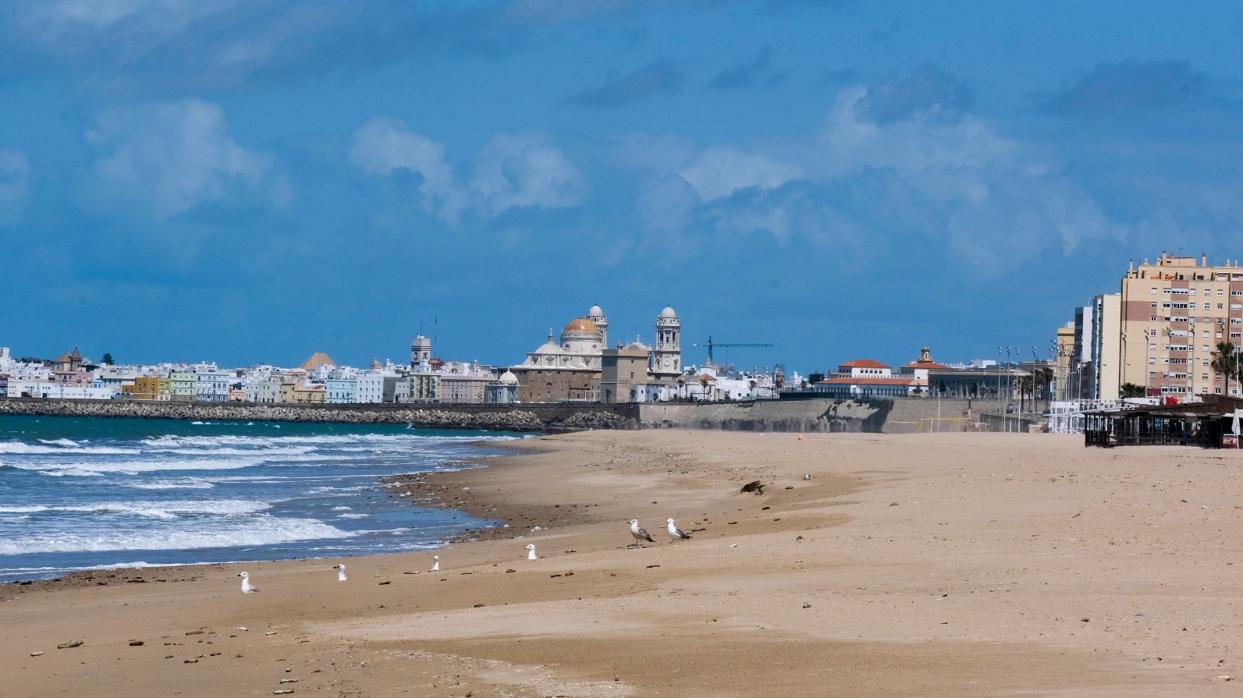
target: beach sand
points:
(921, 565)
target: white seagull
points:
(435, 563)
(531, 551)
(246, 587)
(340, 572)
(639, 533)
(675, 532)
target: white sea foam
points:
(153, 509)
(183, 483)
(253, 531)
(66, 472)
(25, 449)
(352, 516)
(226, 451)
(142, 466)
(60, 442)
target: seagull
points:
(340, 572)
(531, 552)
(806, 476)
(246, 587)
(435, 563)
(639, 533)
(675, 532)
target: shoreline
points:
(405, 486)
(457, 490)
(941, 565)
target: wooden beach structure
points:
(1207, 422)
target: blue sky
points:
(252, 181)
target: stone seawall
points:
(552, 417)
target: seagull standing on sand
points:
(639, 533)
(340, 572)
(246, 587)
(435, 563)
(675, 532)
(531, 552)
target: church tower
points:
(420, 351)
(596, 315)
(667, 358)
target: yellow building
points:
(147, 388)
(306, 394)
(1174, 314)
(1065, 350)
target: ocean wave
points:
(227, 451)
(352, 516)
(152, 509)
(143, 466)
(20, 448)
(255, 531)
(184, 483)
(60, 442)
(65, 472)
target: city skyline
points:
(249, 183)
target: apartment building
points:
(1175, 312)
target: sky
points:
(250, 181)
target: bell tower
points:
(597, 317)
(667, 357)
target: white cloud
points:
(989, 198)
(133, 26)
(721, 171)
(14, 183)
(174, 155)
(525, 170)
(384, 146)
(511, 171)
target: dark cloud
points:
(1131, 85)
(925, 90)
(758, 71)
(659, 77)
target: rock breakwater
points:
(558, 417)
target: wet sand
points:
(929, 565)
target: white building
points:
(341, 390)
(211, 385)
(371, 386)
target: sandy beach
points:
(929, 565)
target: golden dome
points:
(580, 325)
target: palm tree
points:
(1132, 390)
(1043, 377)
(1225, 363)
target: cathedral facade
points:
(569, 369)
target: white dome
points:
(669, 313)
(595, 311)
(508, 377)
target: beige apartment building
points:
(1174, 314)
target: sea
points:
(92, 493)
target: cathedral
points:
(570, 368)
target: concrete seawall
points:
(557, 417)
(875, 415)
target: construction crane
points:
(712, 345)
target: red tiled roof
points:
(864, 363)
(866, 380)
